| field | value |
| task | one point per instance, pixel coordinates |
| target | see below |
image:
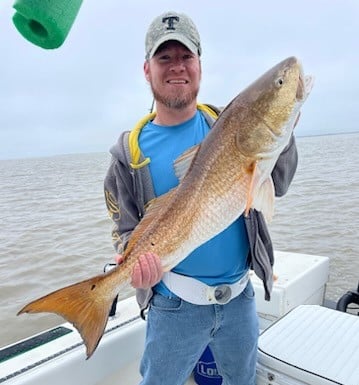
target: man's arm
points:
(120, 204)
(124, 212)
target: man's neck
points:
(166, 116)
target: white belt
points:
(198, 293)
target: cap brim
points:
(177, 37)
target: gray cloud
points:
(79, 97)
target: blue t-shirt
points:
(223, 259)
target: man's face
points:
(174, 74)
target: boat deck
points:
(60, 359)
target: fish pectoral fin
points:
(260, 198)
(249, 201)
(264, 199)
(184, 161)
(86, 305)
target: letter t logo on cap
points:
(170, 21)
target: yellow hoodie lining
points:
(135, 151)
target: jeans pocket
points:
(162, 303)
(248, 291)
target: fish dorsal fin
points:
(184, 161)
(153, 211)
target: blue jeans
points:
(178, 332)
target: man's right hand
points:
(147, 271)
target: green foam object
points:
(45, 23)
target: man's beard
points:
(175, 101)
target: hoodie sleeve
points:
(125, 197)
(285, 168)
(120, 200)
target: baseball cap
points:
(172, 26)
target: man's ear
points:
(146, 70)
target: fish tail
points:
(86, 305)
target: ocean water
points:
(54, 228)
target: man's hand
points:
(147, 270)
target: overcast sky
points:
(79, 97)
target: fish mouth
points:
(301, 87)
(305, 85)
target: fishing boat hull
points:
(57, 356)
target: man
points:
(180, 326)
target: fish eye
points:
(279, 82)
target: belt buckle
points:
(221, 294)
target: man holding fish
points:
(189, 192)
(207, 299)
